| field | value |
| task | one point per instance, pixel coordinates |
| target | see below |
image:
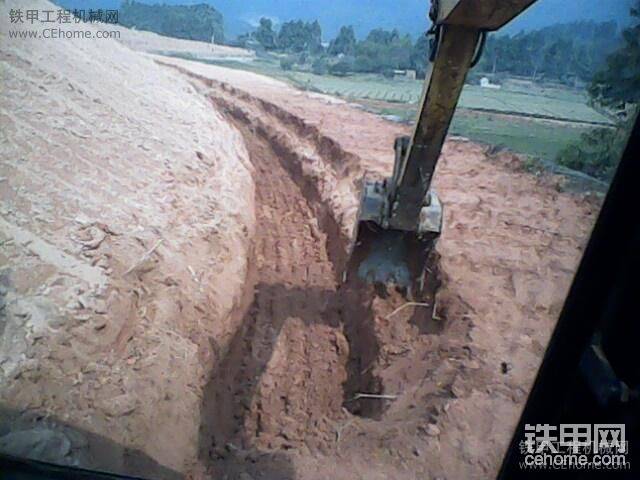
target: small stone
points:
(100, 307)
(472, 365)
(220, 452)
(57, 282)
(100, 324)
(505, 367)
(119, 406)
(458, 388)
(253, 456)
(90, 367)
(74, 305)
(433, 430)
(231, 447)
(103, 262)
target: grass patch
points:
(536, 138)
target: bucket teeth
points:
(386, 257)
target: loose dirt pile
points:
(126, 216)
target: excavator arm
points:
(400, 218)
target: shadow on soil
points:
(225, 444)
(47, 439)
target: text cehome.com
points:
(64, 34)
(575, 462)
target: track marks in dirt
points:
(306, 348)
(281, 383)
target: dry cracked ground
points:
(173, 236)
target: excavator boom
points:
(400, 218)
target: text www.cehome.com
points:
(59, 33)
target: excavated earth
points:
(445, 379)
(172, 283)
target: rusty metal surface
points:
(443, 85)
(483, 14)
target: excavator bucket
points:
(400, 218)
(387, 257)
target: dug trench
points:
(306, 356)
(303, 349)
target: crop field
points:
(361, 86)
(537, 138)
(531, 136)
(551, 103)
(534, 120)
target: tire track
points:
(281, 383)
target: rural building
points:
(486, 83)
(404, 74)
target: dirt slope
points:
(126, 207)
(150, 42)
(510, 247)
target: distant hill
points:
(408, 16)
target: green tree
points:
(265, 35)
(298, 36)
(192, 22)
(562, 52)
(619, 83)
(315, 40)
(341, 68)
(344, 43)
(597, 154)
(615, 86)
(383, 51)
(320, 66)
(419, 55)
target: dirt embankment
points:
(127, 212)
(150, 42)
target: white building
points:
(486, 83)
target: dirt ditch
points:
(295, 360)
(307, 349)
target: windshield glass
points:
(226, 252)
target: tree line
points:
(565, 53)
(382, 51)
(192, 22)
(616, 87)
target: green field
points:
(533, 120)
(530, 136)
(557, 103)
(554, 103)
(535, 138)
